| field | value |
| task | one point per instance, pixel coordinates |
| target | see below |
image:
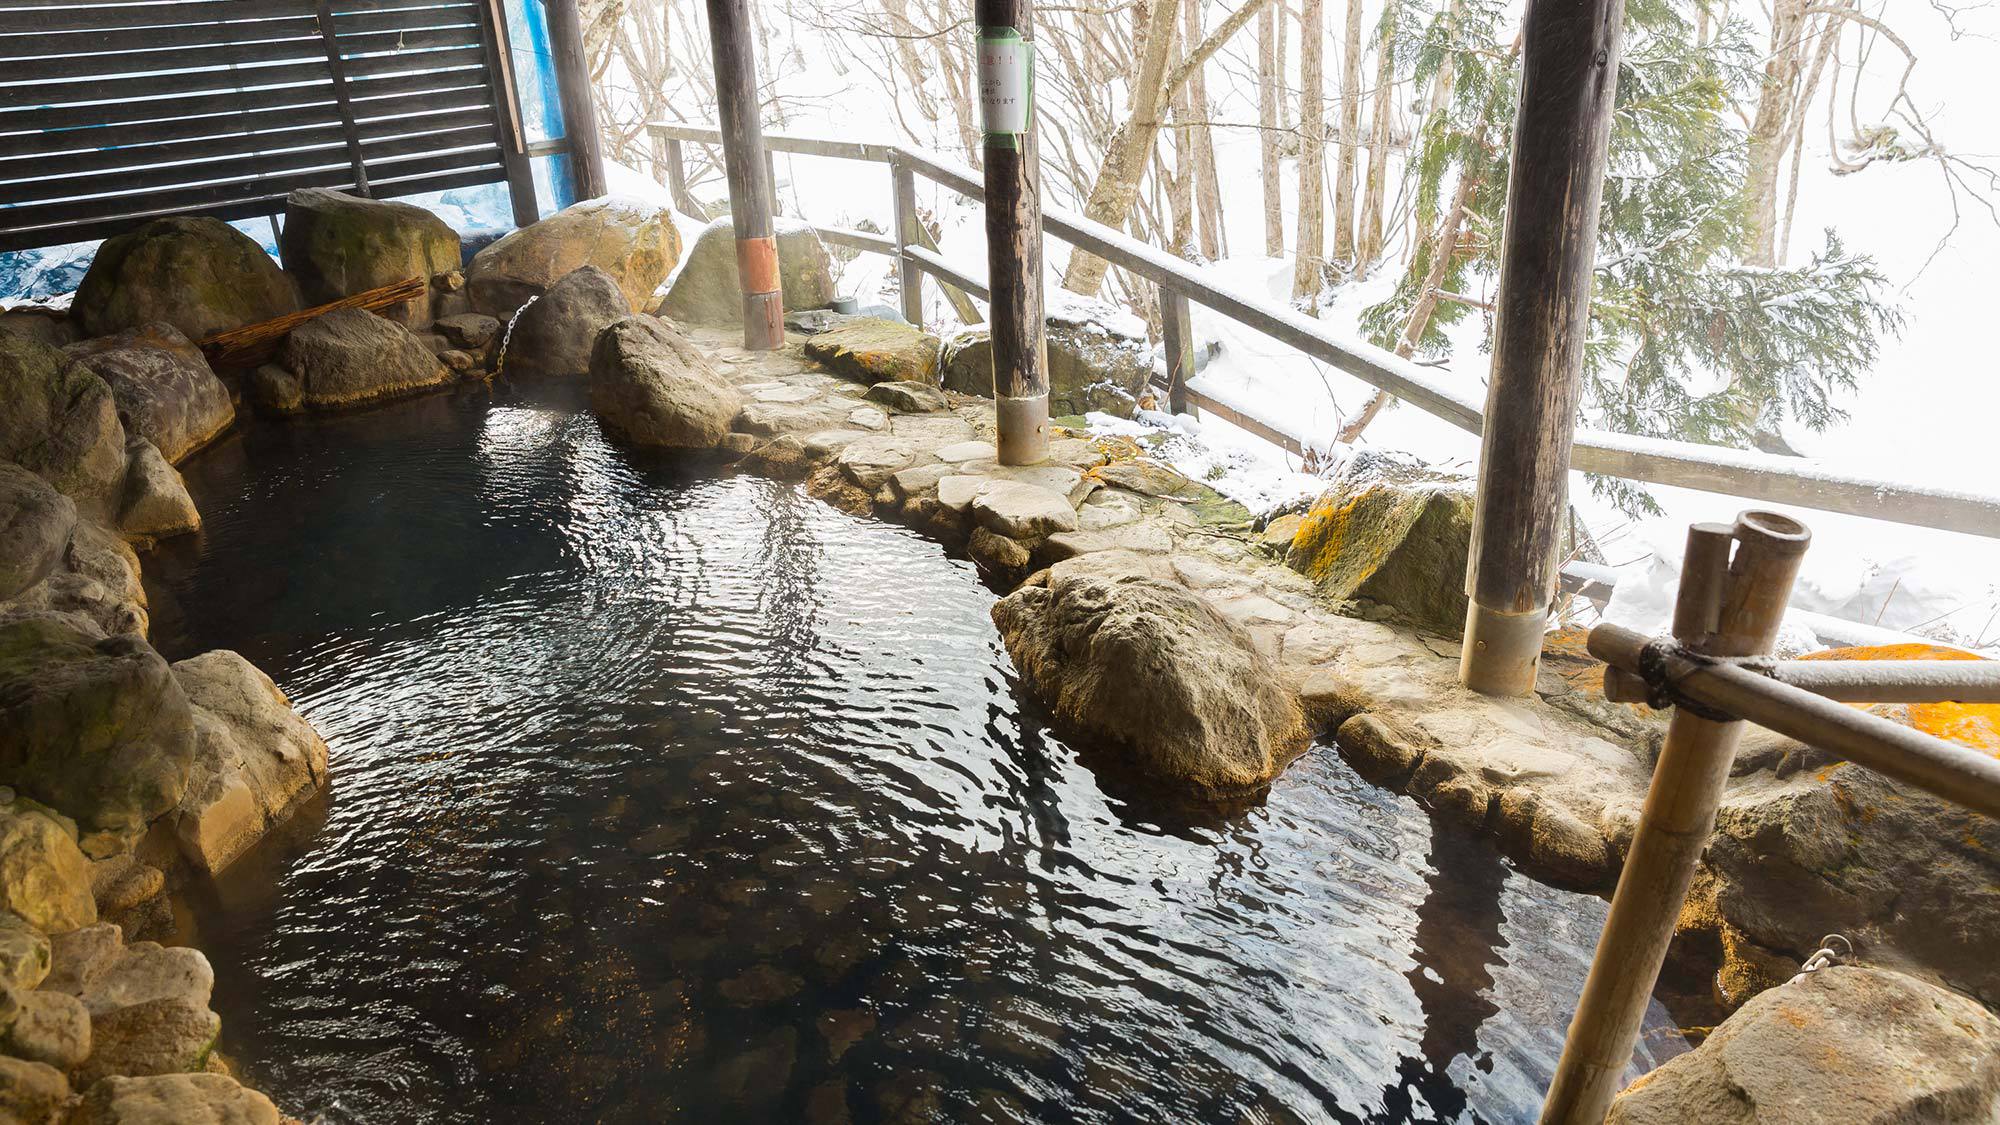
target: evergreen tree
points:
(1686, 341)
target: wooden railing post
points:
(1013, 229)
(1541, 322)
(749, 174)
(909, 279)
(677, 182)
(1727, 606)
(507, 107)
(586, 148)
(1177, 340)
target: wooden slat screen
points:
(113, 113)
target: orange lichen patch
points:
(1566, 653)
(1969, 724)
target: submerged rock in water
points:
(44, 878)
(1846, 1044)
(255, 759)
(61, 423)
(35, 526)
(349, 357)
(554, 335)
(1394, 533)
(95, 727)
(200, 275)
(1128, 656)
(1093, 363)
(709, 289)
(337, 245)
(632, 240)
(156, 504)
(174, 1099)
(163, 386)
(650, 386)
(874, 350)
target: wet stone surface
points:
(668, 796)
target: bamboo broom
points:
(251, 344)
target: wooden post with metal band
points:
(1013, 229)
(1541, 323)
(749, 175)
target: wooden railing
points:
(1794, 481)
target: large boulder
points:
(1126, 655)
(163, 386)
(876, 350)
(60, 421)
(200, 275)
(337, 245)
(1845, 1046)
(174, 1099)
(44, 878)
(96, 727)
(348, 357)
(709, 288)
(1096, 362)
(650, 386)
(35, 526)
(147, 1003)
(255, 759)
(1806, 845)
(554, 335)
(32, 1093)
(1391, 532)
(50, 326)
(94, 584)
(633, 241)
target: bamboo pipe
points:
(1848, 681)
(1967, 777)
(1741, 600)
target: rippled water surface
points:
(661, 795)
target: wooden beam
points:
(1177, 340)
(1013, 229)
(586, 146)
(507, 110)
(739, 106)
(1569, 74)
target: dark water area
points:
(668, 795)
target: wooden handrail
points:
(1795, 481)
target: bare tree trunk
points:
(954, 60)
(1207, 186)
(1768, 130)
(1350, 136)
(1125, 158)
(1270, 74)
(1308, 273)
(1368, 240)
(905, 32)
(1180, 179)
(1284, 64)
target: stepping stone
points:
(1107, 510)
(769, 419)
(1141, 475)
(869, 461)
(958, 492)
(788, 394)
(1023, 511)
(1144, 538)
(826, 443)
(908, 397)
(920, 479)
(931, 430)
(867, 418)
(962, 451)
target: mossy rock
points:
(337, 245)
(1092, 364)
(1391, 532)
(60, 422)
(874, 350)
(200, 275)
(709, 288)
(95, 727)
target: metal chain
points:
(1825, 955)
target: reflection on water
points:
(666, 796)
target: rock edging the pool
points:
(1100, 533)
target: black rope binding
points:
(1660, 690)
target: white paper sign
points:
(1003, 83)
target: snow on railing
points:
(1800, 482)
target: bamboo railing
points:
(1798, 482)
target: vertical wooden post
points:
(1013, 229)
(1569, 73)
(1726, 607)
(910, 279)
(749, 176)
(1177, 338)
(677, 183)
(507, 108)
(771, 177)
(586, 151)
(337, 68)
